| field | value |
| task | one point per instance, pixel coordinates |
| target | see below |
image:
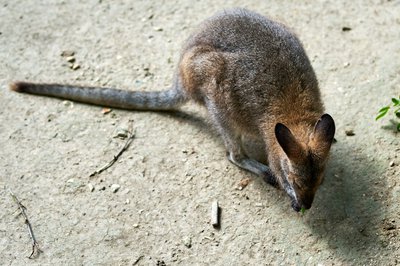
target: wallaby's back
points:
(259, 67)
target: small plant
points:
(384, 110)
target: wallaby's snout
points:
(295, 205)
(305, 195)
(300, 200)
(306, 203)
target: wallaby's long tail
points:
(169, 99)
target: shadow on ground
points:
(348, 208)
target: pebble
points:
(68, 103)
(115, 188)
(391, 164)
(243, 183)
(105, 111)
(121, 133)
(75, 66)
(70, 59)
(187, 241)
(349, 132)
(90, 187)
(67, 53)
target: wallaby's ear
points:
(288, 142)
(323, 134)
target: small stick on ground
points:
(137, 260)
(35, 244)
(128, 142)
(215, 214)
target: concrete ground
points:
(176, 167)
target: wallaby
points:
(255, 79)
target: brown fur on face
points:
(304, 161)
(305, 180)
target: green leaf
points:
(382, 112)
(397, 113)
(395, 101)
(302, 210)
(384, 109)
(398, 127)
(380, 116)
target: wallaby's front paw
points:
(270, 179)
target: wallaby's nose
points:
(296, 206)
(305, 203)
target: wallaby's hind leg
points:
(234, 148)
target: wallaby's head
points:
(304, 164)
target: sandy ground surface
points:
(176, 166)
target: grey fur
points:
(169, 99)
